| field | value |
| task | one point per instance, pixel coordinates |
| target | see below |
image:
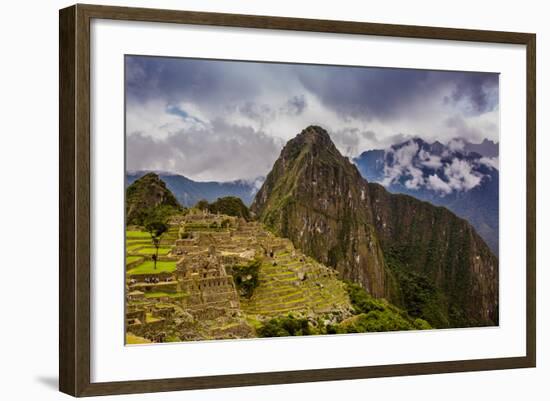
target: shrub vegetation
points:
(231, 206)
(246, 277)
(285, 326)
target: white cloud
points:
(406, 165)
(157, 119)
(429, 160)
(438, 185)
(401, 164)
(416, 180)
(223, 152)
(456, 145)
(490, 162)
(461, 176)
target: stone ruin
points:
(206, 283)
(201, 300)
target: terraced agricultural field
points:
(147, 267)
(133, 259)
(139, 243)
(138, 235)
(151, 250)
(159, 295)
(295, 284)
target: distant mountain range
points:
(460, 175)
(189, 192)
(486, 148)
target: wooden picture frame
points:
(74, 199)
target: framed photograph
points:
(249, 200)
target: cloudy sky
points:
(227, 120)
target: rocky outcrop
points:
(417, 255)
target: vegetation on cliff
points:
(447, 274)
(419, 295)
(375, 315)
(370, 315)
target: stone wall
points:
(163, 286)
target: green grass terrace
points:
(137, 235)
(132, 259)
(148, 268)
(150, 250)
(158, 294)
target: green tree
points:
(202, 204)
(231, 206)
(155, 230)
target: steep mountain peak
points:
(316, 197)
(151, 177)
(314, 134)
(312, 139)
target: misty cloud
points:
(369, 135)
(385, 93)
(401, 165)
(428, 160)
(461, 128)
(436, 184)
(479, 93)
(456, 145)
(223, 152)
(461, 176)
(185, 115)
(491, 162)
(257, 112)
(295, 105)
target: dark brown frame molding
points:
(74, 199)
